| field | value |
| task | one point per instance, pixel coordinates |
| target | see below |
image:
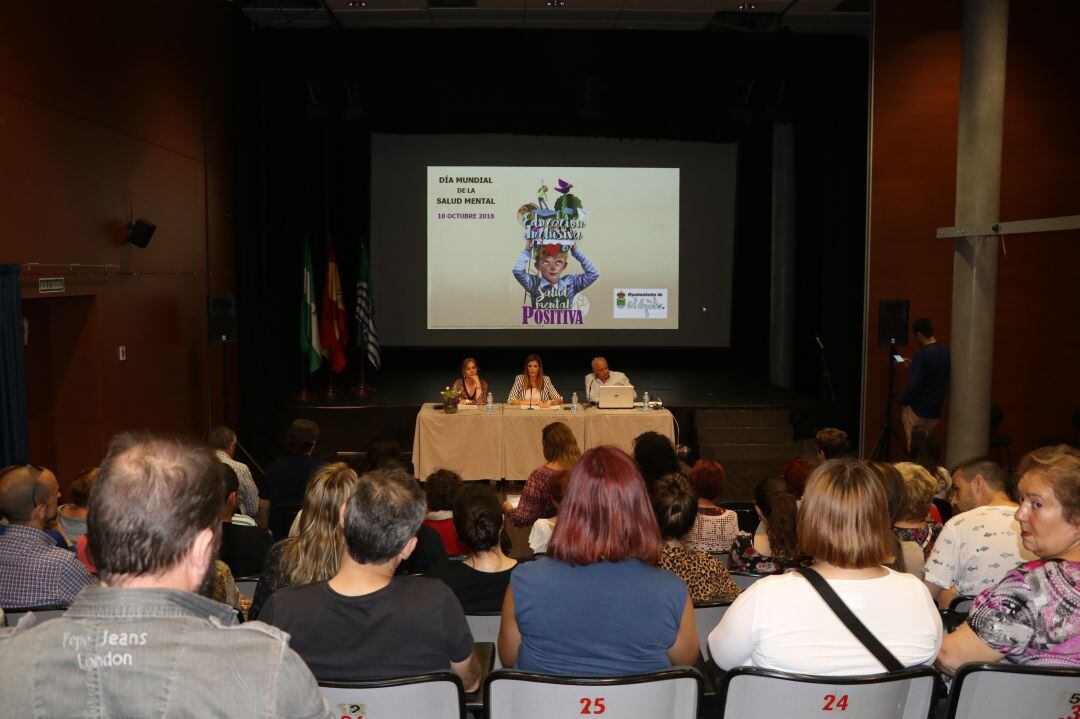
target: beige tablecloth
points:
(506, 443)
(468, 442)
(620, 426)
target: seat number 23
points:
(833, 703)
(592, 706)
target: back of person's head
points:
(478, 517)
(606, 514)
(923, 327)
(315, 554)
(925, 448)
(222, 438)
(21, 492)
(675, 506)
(382, 515)
(230, 480)
(844, 516)
(993, 473)
(301, 436)
(441, 488)
(832, 442)
(557, 486)
(707, 478)
(382, 452)
(893, 486)
(795, 474)
(79, 489)
(560, 445)
(779, 508)
(1060, 466)
(152, 497)
(919, 488)
(655, 456)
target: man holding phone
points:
(928, 380)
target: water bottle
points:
(573, 402)
(645, 402)
(491, 402)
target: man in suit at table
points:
(602, 375)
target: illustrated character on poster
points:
(567, 205)
(541, 196)
(550, 288)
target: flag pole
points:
(330, 394)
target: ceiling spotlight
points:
(556, 3)
(747, 6)
(355, 3)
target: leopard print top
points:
(705, 577)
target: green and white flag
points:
(309, 320)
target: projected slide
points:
(552, 247)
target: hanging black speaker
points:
(140, 231)
(892, 327)
(222, 319)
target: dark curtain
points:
(14, 430)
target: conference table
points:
(505, 443)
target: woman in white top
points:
(782, 623)
(544, 527)
(533, 387)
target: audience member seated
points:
(286, 479)
(715, 528)
(978, 546)
(364, 622)
(543, 528)
(561, 452)
(33, 570)
(676, 507)
(655, 457)
(832, 443)
(598, 604)
(774, 548)
(895, 498)
(144, 643)
(479, 582)
(441, 489)
(1031, 616)
(383, 454)
(429, 552)
(782, 623)
(243, 547)
(73, 516)
(314, 555)
(795, 473)
(225, 589)
(914, 524)
(926, 452)
(223, 442)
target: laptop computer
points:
(613, 397)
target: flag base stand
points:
(362, 390)
(302, 395)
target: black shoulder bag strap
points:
(841, 610)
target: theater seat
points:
(1006, 690)
(43, 613)
(668, 694)
(439, 695)
(752, 692)
(485, 628)
(706, 616)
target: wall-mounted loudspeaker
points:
(140, 232)
(222, 319)
(892, 327)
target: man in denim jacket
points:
(144, 643)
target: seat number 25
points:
(592, 706)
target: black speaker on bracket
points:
(222, 319)
(140, 231)
(892, 327)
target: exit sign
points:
(46, 285)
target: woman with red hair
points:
(603, 553)
(714, 528)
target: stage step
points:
(755, 417)
(782, 451)
(745, 435)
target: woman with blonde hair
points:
(561, 451)
(785, 623)
(314, 555)
(913, 525)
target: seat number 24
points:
(834, 703)
(592, 706)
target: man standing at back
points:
(977, 547)
(33, 571)
(928, 381)
(145, 644)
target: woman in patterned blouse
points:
(1033, 615)
(775, 550)
(533, 387)
(714, 527)
(675, 506)
(469, 386)
(561, 451)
